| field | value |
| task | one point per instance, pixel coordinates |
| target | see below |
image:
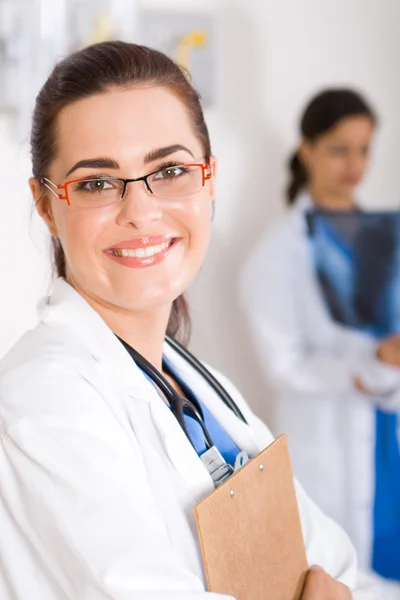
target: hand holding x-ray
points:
(389, 350)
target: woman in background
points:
(333, 385)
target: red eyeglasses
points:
(176, 181)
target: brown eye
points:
(96, 186)
(170, 173)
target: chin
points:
(348, 188)
(148, 300)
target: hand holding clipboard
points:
(250, 532)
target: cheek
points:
(193, 221)
(80, 232)
(364, 163)
(334, 165)
(198, 219)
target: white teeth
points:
(142, 252)
(149, 251)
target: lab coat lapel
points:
(66, 308)
(240, 432)
(180, 450)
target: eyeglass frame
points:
(45, 181)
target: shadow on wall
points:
(248, 199)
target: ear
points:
(304, 152)
(214, 168)
(43, 205)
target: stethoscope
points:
(179, 405)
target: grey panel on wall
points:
(188, 38)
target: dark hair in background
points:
(324, 111)
(95, 70)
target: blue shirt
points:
(221, 440)
(333, 255)
(386, 541)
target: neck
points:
(330, 200)
(143, 331)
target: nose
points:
(138, 208)
(358, 161)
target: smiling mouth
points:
(142, 252)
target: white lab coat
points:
(98, 479)
(311, 362)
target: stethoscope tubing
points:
(207, 375)
(181, 406)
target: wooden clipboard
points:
(250, 533)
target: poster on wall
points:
(188, 38)
(357, 261)
(94, 21)
(35, 34)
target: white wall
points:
(271, 56)
(24, 268)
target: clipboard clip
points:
(218, 468)
(215, 464)
(241, 459)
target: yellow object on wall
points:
(103, 30)
(186, 43)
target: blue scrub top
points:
(386, 540)
(221, 440)
(386, 512)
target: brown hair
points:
(95, 70)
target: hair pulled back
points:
(322, 113)
(95, 70)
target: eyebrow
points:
(94, 163)
(109, 163)
(165, 151)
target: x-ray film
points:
(357, 260)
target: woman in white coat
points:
(328, 380)
(98, 477)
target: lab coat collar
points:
(66, 308)
(303, 202)
(240, 432)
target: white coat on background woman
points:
(98, 475)
(327, 379)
